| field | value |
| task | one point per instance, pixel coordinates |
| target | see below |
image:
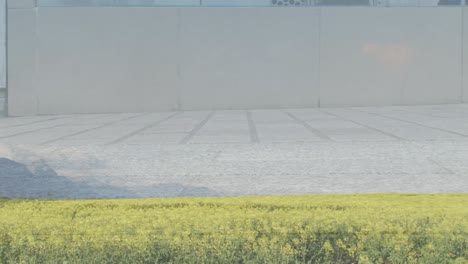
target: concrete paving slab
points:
(399, 128)
(417, 149)
(157, 138)
(454, 125)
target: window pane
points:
(343, 2)
(449, 2)
(237, 2)
(118, 2)
(411, 2)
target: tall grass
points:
(294, 229)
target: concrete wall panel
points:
(20, 4)
(22, 94)
(2, 44)
(465, 54)
(248, 58)
(372, 56)
(106, 60)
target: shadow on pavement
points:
(39, 181)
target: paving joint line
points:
(143, 129)
(366, 126)
(252, 128)
(414, 123)
(400, 108)
(36, 130)
(441, 166)
(30, 131)
(39, 129)
(308, 127)
(90, 129)
(35, 122)
(197, 128)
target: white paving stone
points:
(417, 149)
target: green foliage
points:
(294, 229)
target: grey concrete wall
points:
(22, 87)
(465, 54)
(20, 4)
(248, 58)
(106, 60)
(385, 56)
(118, 59)
(2, 45)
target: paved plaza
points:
(411, 149)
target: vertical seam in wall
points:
(319, 51)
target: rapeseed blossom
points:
(296, 229)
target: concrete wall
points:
(2, 45)
(386, 56)
(22, 88)
(116, 59)
(248, 58)
(120, 59)
(465, 54)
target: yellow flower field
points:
(375, 228)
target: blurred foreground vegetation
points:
(291, 229)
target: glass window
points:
(118, 2)
(343, 2)
(292, 2)
(237, 2)
(412, 3)
(156, 2)
(449, 2)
